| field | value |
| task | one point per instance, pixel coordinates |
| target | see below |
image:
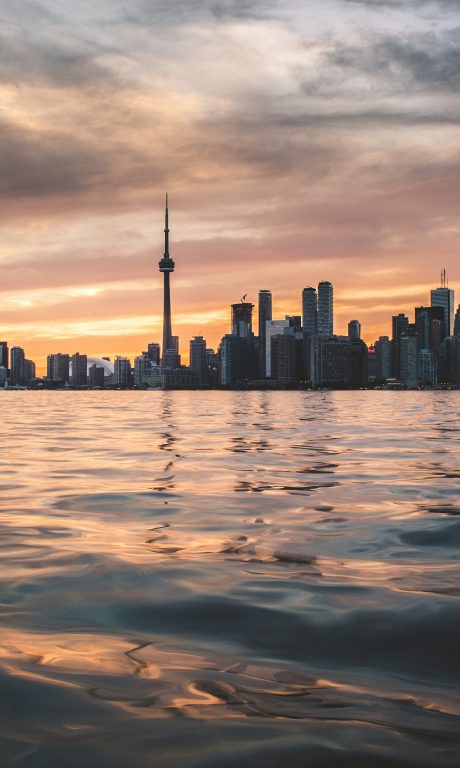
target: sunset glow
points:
(298, 142)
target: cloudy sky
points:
(299, 140)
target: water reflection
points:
(256, 561)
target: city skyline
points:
(337, 155)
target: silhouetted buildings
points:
(4, 356)
(96, 376)
(309, 310)
(265, 315)
(198, 360)
(79, 376)
(122, 372)
(325, 309)
(58, 368)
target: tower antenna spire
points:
(166, 254)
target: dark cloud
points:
(181, 12)
(399, 63)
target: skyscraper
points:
(3, 354)
(444, 297)
(265, 313)
(309, 310)
(198, 360)
(17, 366)
(456, 323)
(325, 309)
(79, 377)
(166, 265)
(122, 371)
(242, 319)
(153, 352)
(354, 330)
(58, 367)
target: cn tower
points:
(166, 265)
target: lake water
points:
(229, 579)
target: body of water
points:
(229, 579)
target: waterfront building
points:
(426, 368)
(429, 325)
(383, 359)
(309, 310)
(96, 376)
(272, 328)
(456, 322)
(198, 360)
(58, 367)
(212, 362)
(334, 361)
(242, 319)
(371, 365)
(142, 367)
(122, 372)
(400, 325)
(408, 360)
(265, 314)
(354, 330)
(79, 370)
(171, 378)
(283, 358)
(325, 309)
(4, 357)
(3, 375)
(444, 297)
(237, 360)
(449, 361)
(17, 361)
(154, 352)
(358, 363)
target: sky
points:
(299, 141)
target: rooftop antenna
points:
(242, 300)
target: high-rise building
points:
(325, 309)
(3, 375)
(449, 360)
(154, 352)
(237, 360)
(358, 363)
(309, 310)
(456, 322)
(166, 266)
(79, 376)
(265, 313)
(142, 367)
(400, 325)
(242, 319)
(334, 361)
(283, 358)
(96, 376)
(122, 372)
(57, 368)
(4, 354)
(444, 297)
(17, 374)
(383, 359)
(198, 359)
(354, 330)
(429, 324)
(408, 360)
(426, 368)
(272, 328)
(212, 361)
(29, 371)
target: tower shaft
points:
(167, 331)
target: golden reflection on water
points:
(232, 557)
